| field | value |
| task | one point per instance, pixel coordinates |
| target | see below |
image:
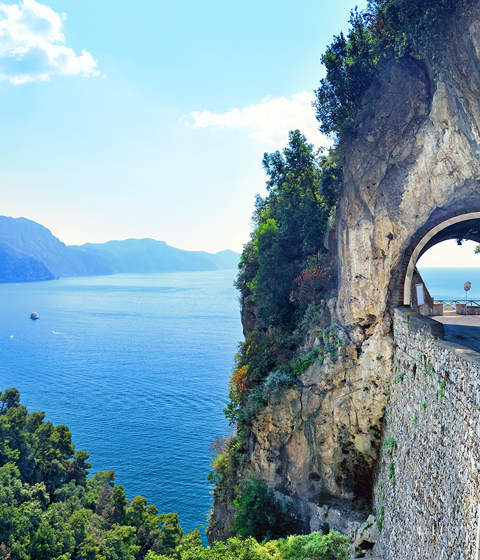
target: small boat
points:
(34, 315)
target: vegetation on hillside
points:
(285, 272)
(300, 547)
(289, 226)
(285, 267)
(51, 510)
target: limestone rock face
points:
(323, 435)
(412, 163)
(413, 160)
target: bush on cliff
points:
(386, 29)
(284, 267)
(290, 223)
(261, 515)
(296, 547)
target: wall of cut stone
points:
(427, 482)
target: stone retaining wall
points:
(427, 482)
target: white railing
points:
(449, 305)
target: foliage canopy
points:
(289, 226)
(296, 547)
(261, 515)
(387, 29)
(49, 509)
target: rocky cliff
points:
(37, 241)
(412, 166)
(16, 266)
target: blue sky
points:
(147, 133)
(150, 119)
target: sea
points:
(447, 283)
(137, 366)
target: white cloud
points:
(270, 121)
(32, 45)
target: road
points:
(462, 329)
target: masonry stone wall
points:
(427, 482)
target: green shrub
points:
(315, 546)
(386, 29)
(302, 363)
(276, 383)
(233, 549)
(296, 547)
(260, 515)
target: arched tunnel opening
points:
(440, 263)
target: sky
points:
(150, 119)
(448, 254)
(125, 119)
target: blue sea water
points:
(137, 366)
(447, 283)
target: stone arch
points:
(458, 225)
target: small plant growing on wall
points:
(381, 518)
(391, 472)
(440, 392)
(391, 444)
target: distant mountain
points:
(37, 241)
(230, 258)
(34, 241)
(16, 266)
(148, 255)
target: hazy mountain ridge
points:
(36, 242)
(16, 266)
(149, 255)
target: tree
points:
(350, 63)
(290, 223)
(79, 467)
(49, 509)
(387, 29)
(9, 399)
(260, 515)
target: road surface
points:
(462, 329)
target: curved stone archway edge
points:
(417, 250)
(411, 180)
